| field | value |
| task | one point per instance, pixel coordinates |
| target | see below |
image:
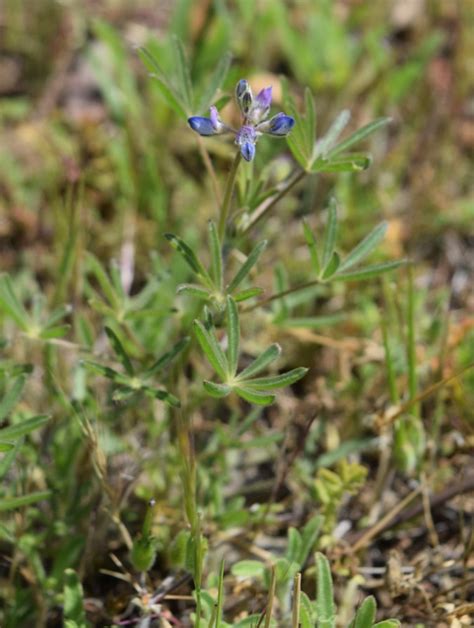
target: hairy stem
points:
(229, 188)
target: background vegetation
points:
(97, 163)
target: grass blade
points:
(12, 432)
(310, 123)
(365, 246)
(11, 503)
(220, 595)
(12, 396)
(330, 234)
(95, 267)
(9, 457)
(11, 304)
(313, 251)
(216, 256)
(411, 342)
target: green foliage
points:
(74, 615)
(212, 288)
(96, 164)
(332, 486)
(132, 382)
(326, 262)
(252, 389)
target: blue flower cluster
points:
(254, 120)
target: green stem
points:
(265, 209)
(411, 341)
(281, 295)
(210, 169)
(229, 188)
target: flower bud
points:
(244, 96)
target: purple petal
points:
(264, 98)
(214, 117)
(201, 125)
(281, 124)
(247, 150)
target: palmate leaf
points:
(253, 390)
(331, 267)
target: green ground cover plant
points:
(235, 316)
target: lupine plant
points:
(218, 327)
(220, 291)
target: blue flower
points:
(254, 120)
